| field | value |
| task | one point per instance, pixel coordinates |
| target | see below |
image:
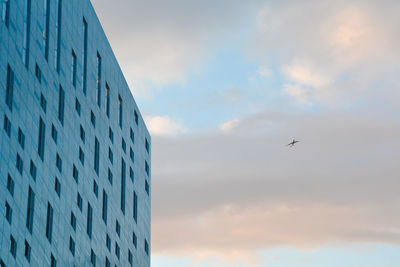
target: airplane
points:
(292, 142)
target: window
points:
(120, 110)
(81, 156)
(146, 247)
(61, 100)
(98, 79)
(10, 86)
(58, 162)
(89, 221)
(108, 264)
(27, 251)
(54, 133)
(79, 202)
(147, 188)
(10, 185)
(73, 221)
(110, 176)
(135, 206)
(123, 144)
(8, 213)
(77, 106)
(96, 155)
(57, 187)
(73, 68)
(46, 32)
(132, 135)
(107, 100)
(75, 173)
(123, 174)
(117, 249)
(111, 135)
(136, 118)
(58, 30)
(105, 207)
(43, 102)
(82, 134)
(134, 239)
(6, 12)
(117, 228)
(72, 246)
(110, 155)
(85, 42)
(38, 73)
(130, 257)
(7, 125)
(42, 132)
(147, 145)
(92, 118)
(108, 242)
(13, 246)
(21, 138)
(20, 164)
(132, 155)
(30, 210)
(92, 258)
(27, 32)
(132, 175)
(32, 170)
(146, 167)
(49, 222)
(53, 262)
(95, 189)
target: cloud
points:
(163, 126)
(229, 125)
(265, 72)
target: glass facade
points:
(65, 198)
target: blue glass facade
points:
(75, 154)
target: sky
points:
(223, 86)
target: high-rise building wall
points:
(75, 153)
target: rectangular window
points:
(46, 32)
(130, 257)
(134, 239)
(147, 145)
(27, 251)
(73, 68)
(146, 247)
(27, 32)
(107, 100)
(61, 100)
(132, 135)
(146, 167)
(58, 39)
(95, 189)
(13, 246)
(117, 249)
(117, 228)
(108, 264)
(110, 176)
(135, 206)
(147, 188)
(132, 175)
(9, 87)
(21, 138)
(49, 222)
(85, 42)
(111, 135)
(72, 246)
(30, 210)
(98, 79)
(77, 106)
(53, 262)
(136, 118)
(43, 102)
(54, 133)
(42, 132)
(82, 134)
(92, 118)
(33, 170)
(105, 207)
(120, 110)
(123, 145)
(38, 73)
(132, 155)
(92, 258)
(8, 213)
(6, 12)
(59, 162)
(79, 202)
(123, 174)
(57, 187)
(73, 221)
(110, 155)
(10, 185)
(89, 221)
(81, 156)
(20, 164)
(108, 242)
(75, 173)
(7, 125)
(96, 155)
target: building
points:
(74, 149)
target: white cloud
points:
(163, 126)
(229, 125)
(265, 72)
